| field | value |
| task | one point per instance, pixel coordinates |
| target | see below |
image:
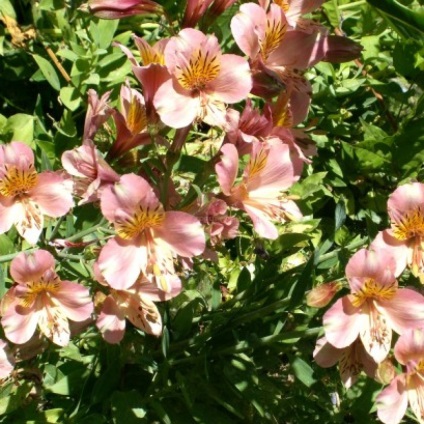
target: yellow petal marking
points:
(411, 225)
(18, 181)
(371, 289)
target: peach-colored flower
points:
(375, 307)
(405, 238)
(147, 237)
(26, 196)
(40, 298)
(407, 387)
(98, 112)
(269, 173)
(203, 80)
(136, 304)
(352, 360)
(90, 172)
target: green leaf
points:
(70, 97)
(303, 371)
(127, 407)
(20, 127)
(48, 71)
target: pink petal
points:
(28, 267)
(408, 197)
(261, 221)
(17, 154)
(248, 27)
(404, 311)
(175, 109)
(325, 354)
(31, 222)
(143, 314)
(415, 391)
(75, 301)
(121, 262)
(183, 233)
(19, 328)
(342, 323)
(111, 321)
(10, 212)
(54, 324)
(53, 194)
(410, 346)
(227, 168)
(7, 361)
(393, 401)
(234, 81)
(151, 291)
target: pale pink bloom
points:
(40, 298)
(151, 72)
(26, 196)
(375, 307)
(407, 387)
(352, 360)
(98, 112)
(112, 9)
(269, 173)
(147, 237)
(7, 361)
(203, 80)
(218, 224)
(90, 172)
(405, 238)
(135, 304)
(131, 122)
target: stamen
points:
(17, 182)
(142, 219)
(201, 69)
(34, 288)
(371, 289)
(411, 225)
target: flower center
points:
(201, 69)
(411, 225)
(274, 34)
(136, 117)
(371, 289)
(35, 288)
(284, 4)
(144, 218)
(17, 181)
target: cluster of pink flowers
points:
(358, 327)
(185, 80)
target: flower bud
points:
(321, 295)
(112, 9)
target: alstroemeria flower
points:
(352, 360)
(26, 196)
(135, 304)
(376, 306)
(90, 172)
(203, 80)
(269, 173)
(112, 9)
(405, 238)
(40, 298)
(147, 237)
(407, 387)
(131, 122)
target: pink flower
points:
(90, 172)
(406, 235)
(269, 173)
(203, 80)
(131, 123)
(148, 237)
(112, 9)
(135, 304)
(194, 10)
(40, 298)
(26, 196)
(352, 360)
(7, 361)
(98, 112)
(376, 306)
(407, 387)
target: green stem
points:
(56, 228)
(90, 230)
(352, 5)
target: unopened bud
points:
(321, 295)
